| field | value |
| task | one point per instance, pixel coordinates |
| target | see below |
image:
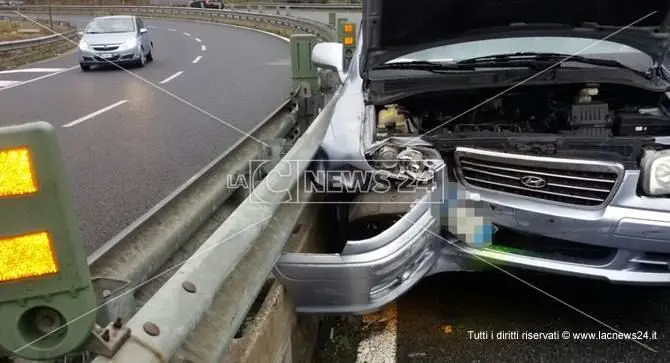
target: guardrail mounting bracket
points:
(108, 340)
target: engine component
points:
(586, 94)
(642, 124)
(586, 110)
(590, 119)
(392, 119)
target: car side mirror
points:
(143, 30)
(328, 55)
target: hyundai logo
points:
(532, 181)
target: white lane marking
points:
(198, 40)
(172, 30)
(264, 32)
(4, 84)
(187, 34)
(281, 62)
(197, 59)
(203, 48)
(40, 78)
(96, 113)
(166, 80)
(33, 70)
(246, 28)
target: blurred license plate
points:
(107, 55)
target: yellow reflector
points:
(348, 28)
(16, 177)
(348, 40)
(26, 256)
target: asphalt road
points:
(492, 317)
(126, 142)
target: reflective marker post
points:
(47, 301)
(347, 36)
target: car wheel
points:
(143, 59)
(85, 67)
(150, 56)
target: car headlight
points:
(129, 44)
(83, 45)
(416, 163)
(655, 166)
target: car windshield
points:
(110, 25)
(584, 47)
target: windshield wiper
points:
(427, 66)
(535, 58)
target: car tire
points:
(85, 67)
(150, 56)
(143, 59)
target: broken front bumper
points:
(369, 273)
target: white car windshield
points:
(111, 25)
(584, 47)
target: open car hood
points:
(393, 28)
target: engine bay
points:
(586, 111)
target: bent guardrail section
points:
(194, 309)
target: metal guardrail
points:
(37, 41)
(296, 5)
(306, 5)
(199, 307)
(281, 24)
(15, 52)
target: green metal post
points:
(47, 300)
(339, 27)
(347, 36)
(303, 70)
(305, 76)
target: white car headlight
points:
(129, 44)
(417, 163)
(83, 45)
(655, 167)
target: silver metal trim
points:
(649, 262)
(519, 161)
(532, 181)
(531, 190)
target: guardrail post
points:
(332, 19)
(305, 76)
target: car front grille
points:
(108, 48)
(576, 182)
(111, 59)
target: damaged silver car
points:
(550, 125)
